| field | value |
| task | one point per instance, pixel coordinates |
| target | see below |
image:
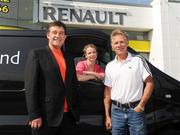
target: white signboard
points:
(94, 14)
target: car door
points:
(14, 48)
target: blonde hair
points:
(87, 46)
(118, 32)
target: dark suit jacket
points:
(45, 89)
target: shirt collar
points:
(129, 57)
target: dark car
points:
(162, 111)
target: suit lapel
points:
(52, 58)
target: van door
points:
(14, 48)
(90, 92)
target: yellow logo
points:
(4, 8)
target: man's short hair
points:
(56, 23)
(118, 32)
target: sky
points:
(143, 2)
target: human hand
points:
(36, 123)
(138, 108)
(87, 72)
(91, 74)
(108, 123)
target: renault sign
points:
(72, 14)
(75, 15)
(95, 14)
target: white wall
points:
(165, 44)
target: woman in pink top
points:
(89, 69)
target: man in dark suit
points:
(51, 86)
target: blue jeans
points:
(123, 117)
